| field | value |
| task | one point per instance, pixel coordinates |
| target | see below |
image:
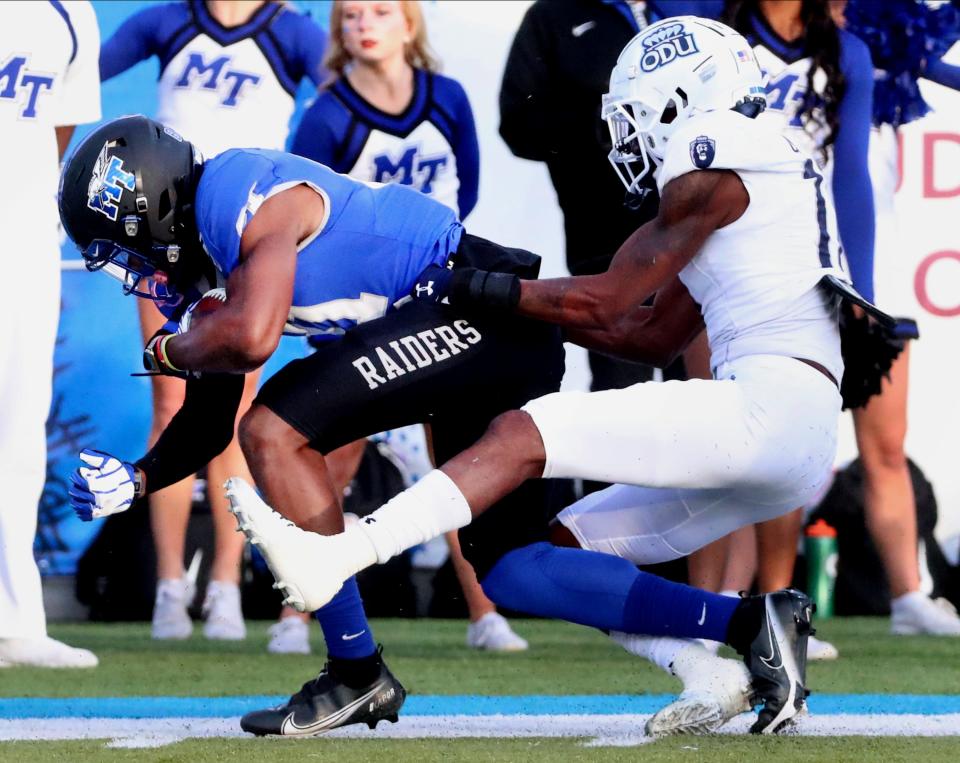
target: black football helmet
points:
(127, 200)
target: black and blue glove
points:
(468, 288)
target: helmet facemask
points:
(639, 131)
(137, 273)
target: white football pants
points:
(696, 459)
(29, 312)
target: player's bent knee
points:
(262, 433)
(517, 435)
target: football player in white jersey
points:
(229, 72)
(695, 459)
(48, 84)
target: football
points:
(209, 303)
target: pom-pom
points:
(903, 35)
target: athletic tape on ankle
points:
(430, 508)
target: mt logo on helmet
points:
(107, 182)
(666, 44)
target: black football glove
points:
(869, 350)
(468, 288)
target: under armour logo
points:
(369, 520)
(428, 289)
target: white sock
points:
(430, 508)
(660, 650)
(908, 600)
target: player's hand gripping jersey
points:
(756, 279)
(365, 256)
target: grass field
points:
(430, 659)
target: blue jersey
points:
(432, 146)
(221, 87)
(363, 259)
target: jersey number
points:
(310, 319)
(823, 244)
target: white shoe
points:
(493, 633)
(715, 689)
(290, 635)
(221, 609)
(916, 613)
(170, 618)
(818, 649)
(44, 652)
(303, 563)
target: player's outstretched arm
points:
(241, 335)
(692, 206)
(198, 432)
(654, 334)
(201, 429)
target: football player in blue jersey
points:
(301, 250)
(228, 74)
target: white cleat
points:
(223, 613)
(818, 649)
(290, 635)
(916, 613)
(715, 690)
(171, 621)
(302, 562)
(493, 633)
(44, 652)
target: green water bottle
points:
(820, 545)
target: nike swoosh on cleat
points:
(290, 727)
(703, 615)
(580, 29)
(774, 653)
(352, 636)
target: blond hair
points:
(416, 52)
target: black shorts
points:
(426, 364)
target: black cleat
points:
(777, 657)
(326, 703)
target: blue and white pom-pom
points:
(903, 36)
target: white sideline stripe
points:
(599, 730)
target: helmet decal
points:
(107, 182)
(665, 45)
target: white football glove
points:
(105, 486)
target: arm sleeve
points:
(526, 93)
(80, 95)
(134, 41)
(314, 138)
(944, 74)
(312, 43)
(466, 149)
(200, 430)
(852, 189)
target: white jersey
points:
(756, 279)
(222, 87)
(48, 78)
(786, 94)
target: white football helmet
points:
(671, 71)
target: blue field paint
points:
(427, 705)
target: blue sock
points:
(344, 624)
(605, 592)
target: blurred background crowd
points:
(491, 108)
